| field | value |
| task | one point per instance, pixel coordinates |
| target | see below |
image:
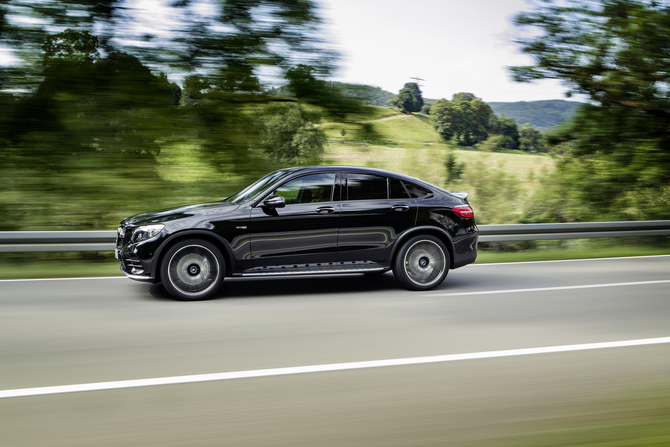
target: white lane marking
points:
(549, 289)
(41, 391)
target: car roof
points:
(357, 169)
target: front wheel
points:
(422, 263)
(193, 270)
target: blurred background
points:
(111, 108)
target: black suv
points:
(301, 221)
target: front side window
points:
(366, 187)
(257, 187)
(308, 189)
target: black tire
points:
(422, 263)
(192, 270)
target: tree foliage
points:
(531, 140)
(409, 99)
(467, 119)
(87, 137)
(305, 86)
(616, 52)
(86, 110)
(364, 94)
(289, 132)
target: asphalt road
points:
(88, 331)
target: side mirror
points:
(274, 202)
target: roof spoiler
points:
(460, 195)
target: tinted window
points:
(365, 187)
(307, 189)
(257, 187)
(417, 192)
(396, 190)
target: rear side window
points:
(417, 192)
(396, 190)
(366, 187)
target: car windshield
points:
(256, 187)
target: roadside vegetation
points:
(634, 417)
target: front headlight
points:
(146, 232)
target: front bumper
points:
(131, 258)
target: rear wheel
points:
(192, 270)
(422, 263)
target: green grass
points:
(639, 419)
(409, 144)
(409, 131)
(419, 163)
(427, 162)
(401, 143)
(555, 254)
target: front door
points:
(303, 234)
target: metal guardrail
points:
(580, 230)
(37, 241)
(32, 241)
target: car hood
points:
(179, 213)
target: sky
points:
(452, 45)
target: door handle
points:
(400, 208)
(325, 210)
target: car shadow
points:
(293, 285)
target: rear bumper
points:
(465, 251)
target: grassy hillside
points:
(386, 128)
(396, 142)
(409, 144)
(542, 115)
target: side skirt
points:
(315, 269)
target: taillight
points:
(463, 211)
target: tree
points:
(194, 90)
(82, 142)
(409, 99)
(531, 140)
(289, 133)
(89, 93)
(446, 119)
(466, 118)
(305, 86)
(508, 128)
(454, 168)
(616, 52)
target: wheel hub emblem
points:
(193, 269)
(423, 262)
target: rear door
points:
(375, 211)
